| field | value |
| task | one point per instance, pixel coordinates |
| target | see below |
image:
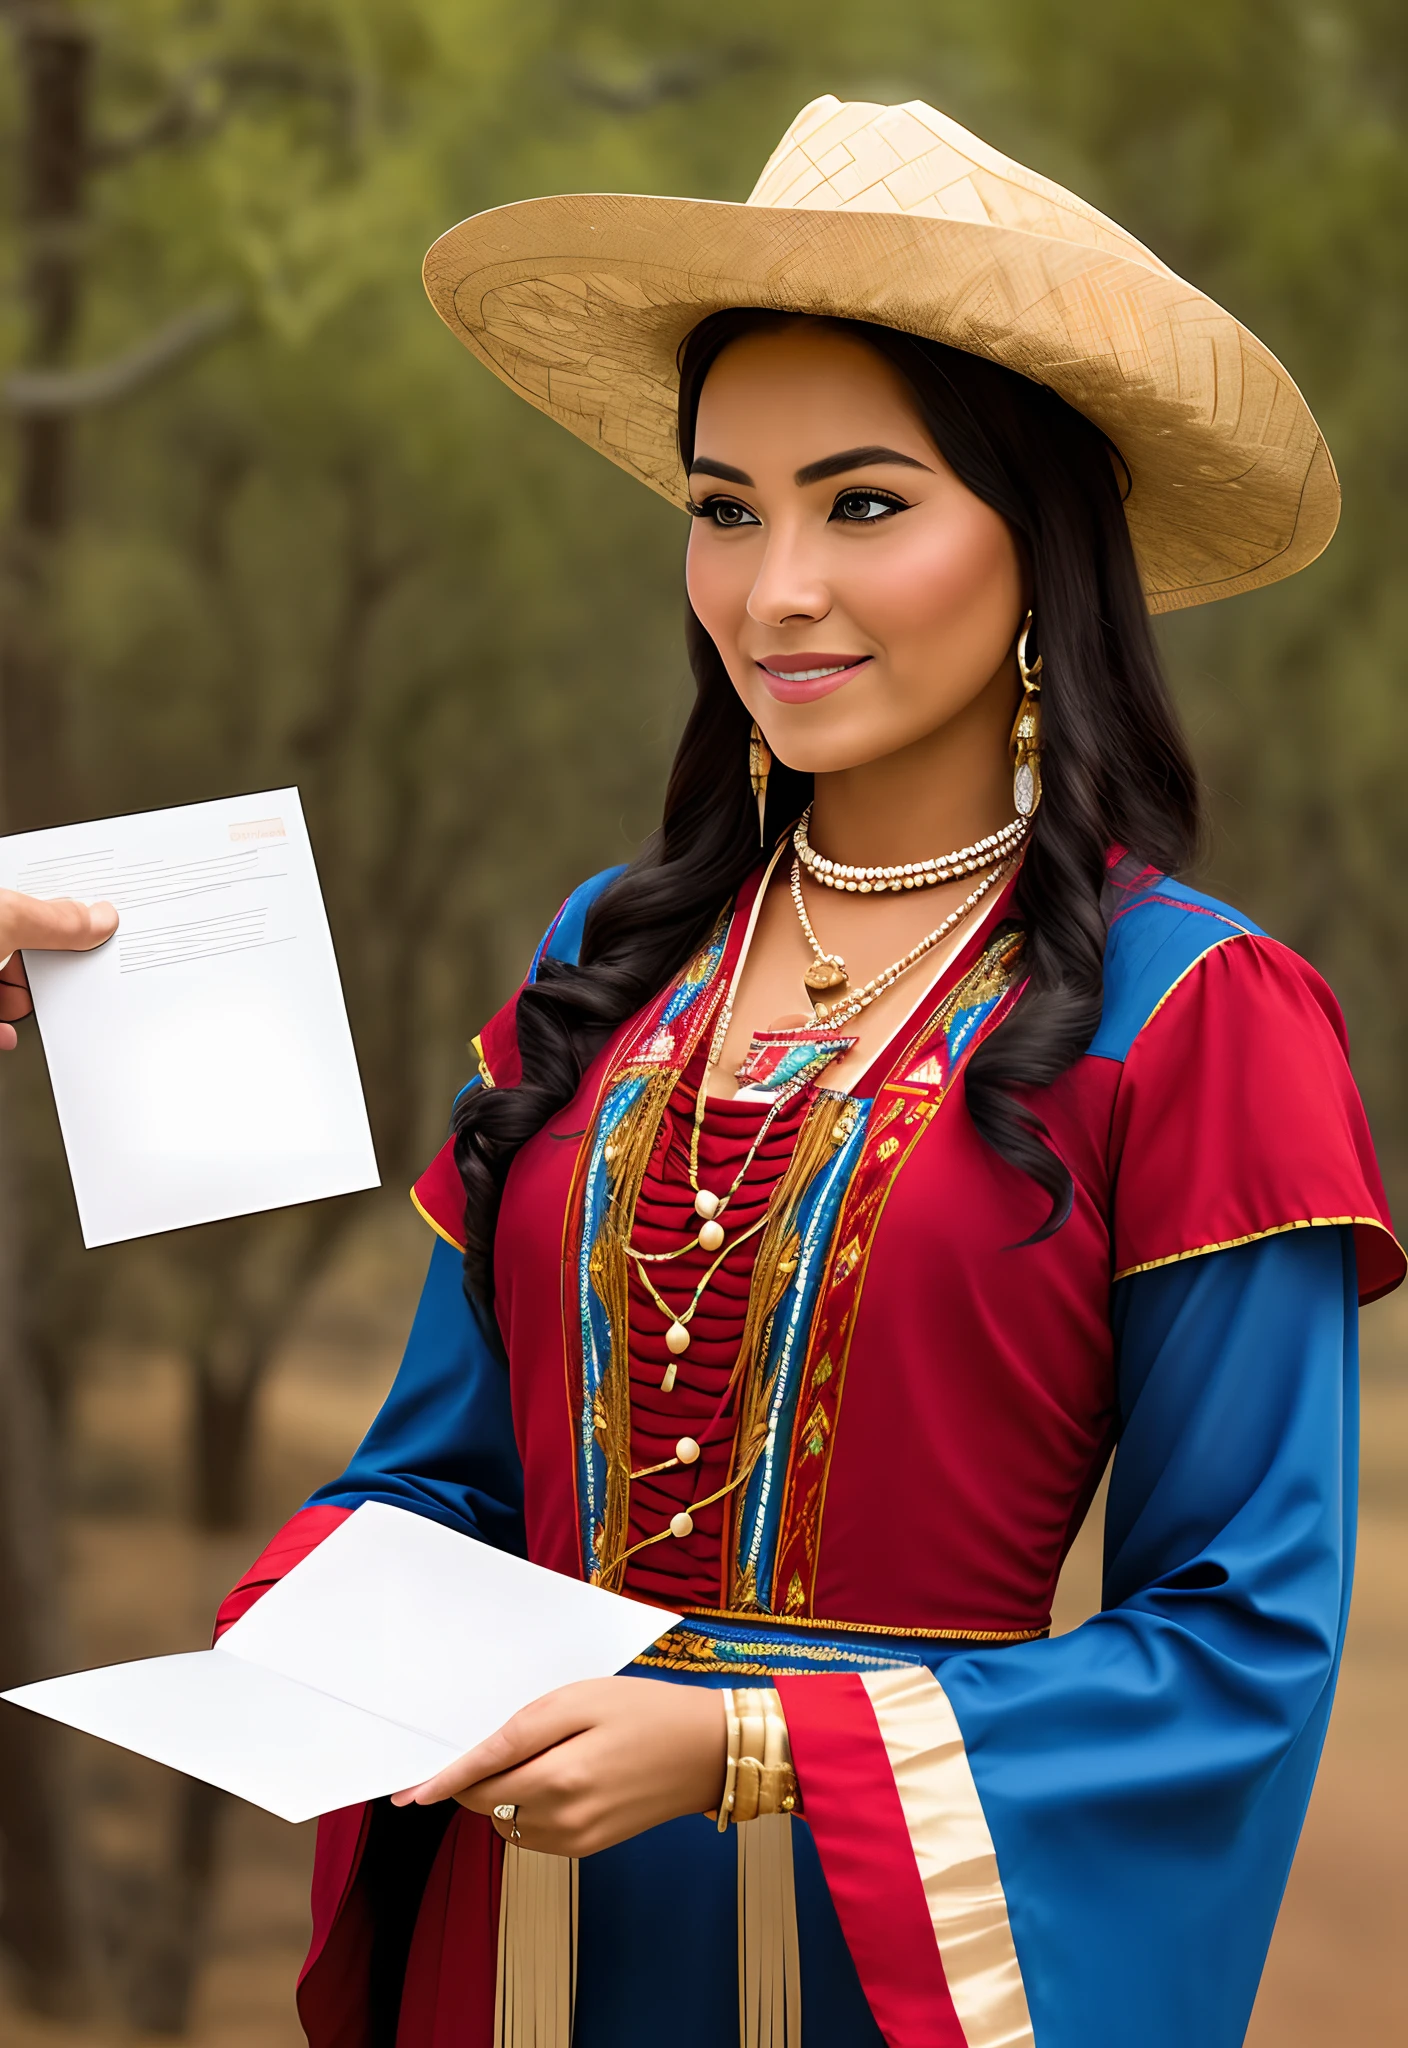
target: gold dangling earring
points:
(759, 767)
(1026, 732)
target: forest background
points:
(265, 522)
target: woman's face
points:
(861, 597)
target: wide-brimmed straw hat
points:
(898, 215)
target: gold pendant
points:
(827, 971)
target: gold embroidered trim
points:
(1228, 1244)
(711, 1665)
(772, 1622)
(773, 1268)
(632, 1143)
(683, 1649)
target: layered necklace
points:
(779, 1064)
(828, 970)
(993, 856)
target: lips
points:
(802, 678)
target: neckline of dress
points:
(942, 983)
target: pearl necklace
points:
(917, 874)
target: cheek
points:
(957, 580)
(717, 583)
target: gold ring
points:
(509, 1814)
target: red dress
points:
(1025, 1840)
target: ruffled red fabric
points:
(1237, 1116)
(692, 1572)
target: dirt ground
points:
(140, 1583)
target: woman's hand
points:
(55, 927)
(594, 1763)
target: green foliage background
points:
(332, 549)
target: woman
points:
(856, 1169)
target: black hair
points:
(1115, 769)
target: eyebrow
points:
(702, 466)
(812, 472)
(853, 458)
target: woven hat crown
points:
(857, 157)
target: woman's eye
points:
(863, 508)
(725, 512)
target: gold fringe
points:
(769, 1956)
(631, 1146)
(537, 1981)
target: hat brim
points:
(580, 303)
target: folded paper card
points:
(390, 1650)
(201, 1060)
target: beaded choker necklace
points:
(918, 874)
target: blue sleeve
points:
(443, 1443)
(1145, 1777)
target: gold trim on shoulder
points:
(425, 1216)
(1229, 1244)
(476, 1046)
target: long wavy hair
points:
(1115, 773)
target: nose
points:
(789, 585)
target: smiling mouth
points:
(837, 667)
(803, 678)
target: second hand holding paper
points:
(201, 1060)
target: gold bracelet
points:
(759, 1778)
(726, 1802)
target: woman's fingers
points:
(540, 1726)
(554, 1797)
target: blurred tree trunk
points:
(252, 1274)
(227, 1374)
(55, 56)
(41, 1922)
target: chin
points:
(807, 739)
(835, 759)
